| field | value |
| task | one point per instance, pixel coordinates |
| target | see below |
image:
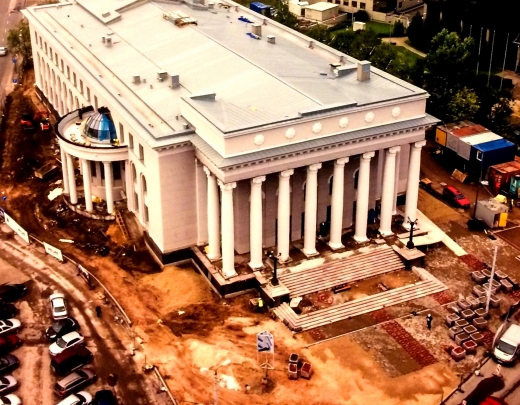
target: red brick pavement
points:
(488, 338)
(472, 262)
(443, 297)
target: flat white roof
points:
(256, 83)
(322, 6)
(480, 138)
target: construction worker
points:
(429, 320)
(260, 305)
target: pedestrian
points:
(511, 204)
(98, 311)
(429, 320)
(260, 305)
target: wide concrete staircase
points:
(359, 266)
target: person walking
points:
(429, 320)
(98, 311)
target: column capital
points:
(106, 163)
(393, 150)
(419, 144)
(368, 155)
(207, 171)
(226, 186)
(287, 173)
(314, 167)
(258, 180)
(341, 161)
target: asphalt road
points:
(104, 338)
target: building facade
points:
(220, 127)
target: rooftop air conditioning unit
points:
(162, 74)
(175, 81)
(103, 39)
(257, 29)
(137, 79)
(271, 39)
(109, 41)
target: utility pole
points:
(491, 279)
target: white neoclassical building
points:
(221, 128)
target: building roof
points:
(494, 145)
(474, 140)
(322, 6)
(256, 83)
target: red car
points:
(9, 343)
(455, 197)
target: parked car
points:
(8, 363)
(8, 311)
(10, 400)
(3, 51)
(75, 381)
(455, 197)
(9, 343)
(9, 326)
(71, 359)
(81, 398)
(7, 384)
(61, 327)
(58, 306)
(66, 342)
(12, 292)
(105, 397)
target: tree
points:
(19, 41)
(447, 69)
(415, 29)
(361, 16)
(285, 17)
(319, 32)
(464, 104)
(364, 44)
(398, 30)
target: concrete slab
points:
(10, 274)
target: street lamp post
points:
(215, 380)
(410, 245)
(274, 258)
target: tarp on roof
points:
(471, 130)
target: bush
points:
(398, 30)
(361, 16)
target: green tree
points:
(447, 68)
(415, 30)
(19, 41)
(398, 30)
(320, 33)
(464, 104)
(364, 44)
(285, 17)
(361, 16)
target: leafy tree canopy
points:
(19, 41)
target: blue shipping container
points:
(258, 7)
(493, 153)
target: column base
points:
(336, 246)
(309, 252)
(407, 226)
(284, 261)
(229, 274)
(212, 258)
(256, 266)
(360, 239)
(385, 233)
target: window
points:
(331, 181)
(50, 52)
(88, 94)
(93, 168)
(41, 42)
(136, 202)
(81, 86)
(45, 47)
(354, 4)
(56, 57)
(74, 79)
(479, 155)
(141, 153)
(95, 102)
(68, 72)
(362, 6)
(400, 4)
(145, 214)
(338, 1)
(130, 140)
(345, 3)
(61, 62)
(121, 133)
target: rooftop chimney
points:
(256, 29)
(363, 70)
(271, 39)
(175, 81)
(137, 79)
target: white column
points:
(109, 185)
(72, 180)
(362, 197)
(412, 186)
(336, 217)
(64, 171)
(213, 217)
(311, 206)
(129, 185)
(284, 214)
(228, 229)
(255, 223)
(87, 182)
(387, 195)
(396, 182)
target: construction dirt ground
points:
(388, 357)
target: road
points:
(104, 338)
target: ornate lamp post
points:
(410, 244)
(274, 258)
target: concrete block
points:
(470, 329)
(477, 337)
(470, 346)
(507, 287)
(461, 338)
(480, 323)
(478, 277)
(450, 319)
(481, 313)
(468, 314)
(458, 353)
(454, 331)
(473, 302)
(462, 323)
(463, 304)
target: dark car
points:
(71, 359)
(8, 311)
(12, 292)
(8, 363)
(60, 328)
(104, 397)
(455, 197)
(75, 381)
(9, 343)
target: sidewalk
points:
(488, 385)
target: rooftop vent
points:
(363, 71)
(106, 14)
(271, 39)
(103, 39)
(108, 41)
(137, 79)
(175, 81)
(341, 70)
(162, 74)
(256, 29)
(211, 5)
(186, 125)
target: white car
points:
(80, 398)
(10, 400)
(58, 306)
(3, 51)
(66, 341)
(8, 326)
(7, 384)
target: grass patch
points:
(412, 57)
(381, 29)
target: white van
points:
(507, 348)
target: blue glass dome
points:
(100, 128)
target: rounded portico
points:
(89, 136)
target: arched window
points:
(356, 179)
(331, 181)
